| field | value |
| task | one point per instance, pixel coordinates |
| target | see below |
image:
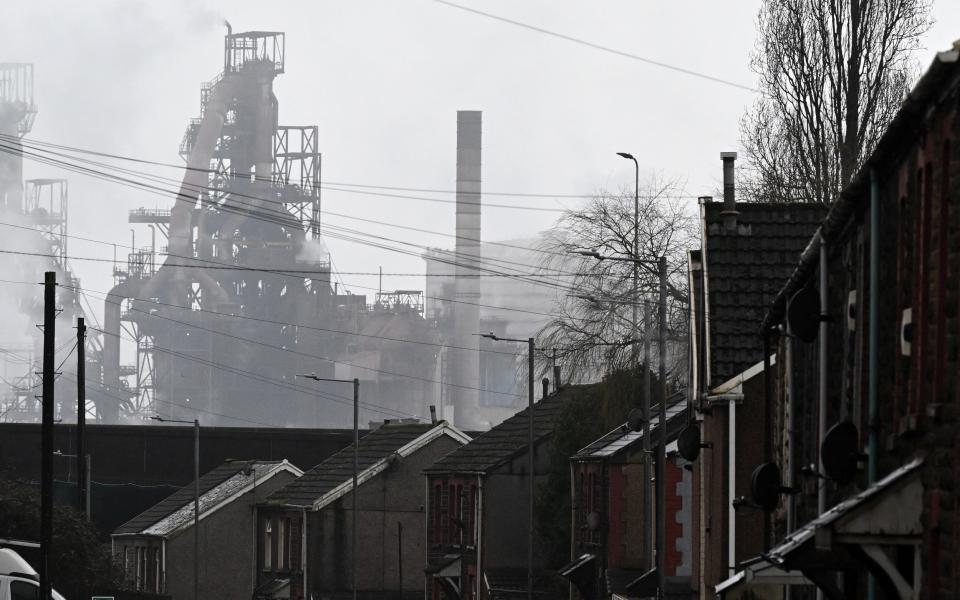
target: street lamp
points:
(356, 460)
(636, 252)
(196, 498)
(659, 268)
(530, 351)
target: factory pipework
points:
(465, 363)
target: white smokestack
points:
(465, 367)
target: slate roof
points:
(508, 439)
(182, 500)
(744, 271)
(337, 469)
(623, 437)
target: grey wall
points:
(227, 549)
(506, 507)
(397, 495)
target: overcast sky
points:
(383, 79)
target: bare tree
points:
(592, 330)
(832, 76)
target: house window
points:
(437, 515)
(444, 514)
(473, 516)
(283, 539)
(141, 567)
(456, 514)
(268, 546)
(156, 570)
(281, 545)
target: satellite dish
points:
(803, 313)
(765, 486)
(840, 453)
(688, 443)
(635, 419)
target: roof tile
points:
(373, 447)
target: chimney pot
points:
(729, 212)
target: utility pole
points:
(196, 497)
(400, 559)
(196, 509)
(530, 463)
(46, 431)
(356, 466)
(81, 419)
(88, 470)
(355, 491)
(662, 446)
(648, 549)
(659, 268)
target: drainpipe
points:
(767, 429)
(573, 523)
(479, 562)
(163, 566)
(822, 373)
(428, 518)
(790, 426)
(303, 552)
(872, 344)
(731, 486)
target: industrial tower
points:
(33, 221)
(237, 299)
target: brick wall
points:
(919, 275)
(710, 504)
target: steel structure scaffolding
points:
(37, 211)
(213, 311)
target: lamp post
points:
(636, 267)
(196, 498)
(530, 351)
(645, 407)
(659, 268)
(356, 460)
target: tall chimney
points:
(729, 212)
(465, 363)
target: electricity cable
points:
(265, 379)
(284, 218)
(595, 46)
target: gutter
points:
(852, 198)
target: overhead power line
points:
(602, 48)
(281, 273)
(198, 189)
(295, 352)
(545, 195)
(286, 219)
(312, 392)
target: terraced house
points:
(304, 545)
(156, 548)
(867, 377)
(477, 517)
